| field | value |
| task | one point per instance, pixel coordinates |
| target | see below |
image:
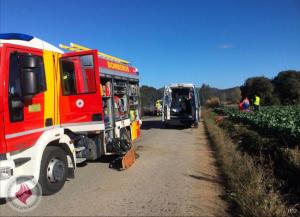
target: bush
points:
(213, 102)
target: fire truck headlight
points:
(5, 172)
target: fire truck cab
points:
(59, 109)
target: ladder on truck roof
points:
(77, 47)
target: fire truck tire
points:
(125, 142)
(53, 172)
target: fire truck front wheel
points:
(53, 170)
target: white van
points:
(181, 105)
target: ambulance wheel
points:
(53, 172)
(166, 125)
(196, 124)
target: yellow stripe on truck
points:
(49, 100)
(58, 87)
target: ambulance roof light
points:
(16, 36)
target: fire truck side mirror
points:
(30, 78)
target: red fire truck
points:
(59, 109)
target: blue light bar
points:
(16, 36)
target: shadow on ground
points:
(208, 179)
(106, 159)
(158, 124)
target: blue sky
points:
(220, 43)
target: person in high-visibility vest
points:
(158, 107)
(256, 103)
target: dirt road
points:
(174, 175)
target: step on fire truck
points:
(59, 109)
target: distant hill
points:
(230, 95)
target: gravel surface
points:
(174, 175)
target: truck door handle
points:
(49, 122)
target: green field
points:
(280, 121)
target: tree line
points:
(284, 89)
(149, 95)
(225, 96)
